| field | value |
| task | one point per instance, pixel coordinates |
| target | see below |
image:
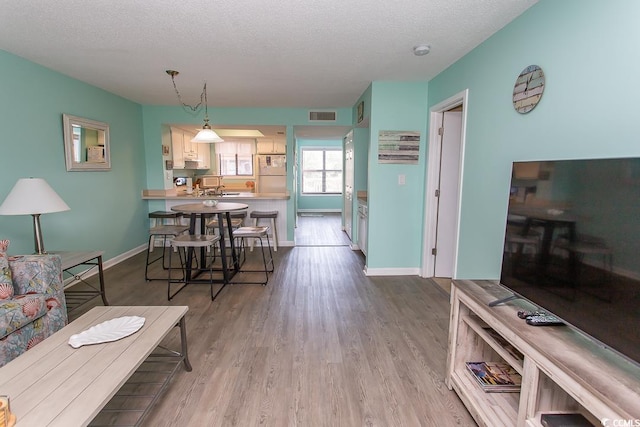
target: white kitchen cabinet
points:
(362, 227)
(271, 146)
(204, 156)
(177, 148)
(187, 154)
(190, 148)
(280, 146)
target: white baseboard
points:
(126, 255)
(391, 271)
(319, 210)
(92, 271)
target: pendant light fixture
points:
(206, 135)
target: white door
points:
(445, 153)
(448, 190)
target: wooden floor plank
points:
(321, 344)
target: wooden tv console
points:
(562, 369)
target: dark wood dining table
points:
(202, 210)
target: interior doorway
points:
(320, 229)
(443, 186)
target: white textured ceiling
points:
(251, 53)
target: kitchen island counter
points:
(159, 199)
(153, 195)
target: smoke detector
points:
(421, 49)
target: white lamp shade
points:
(32, 196)
(207, 136)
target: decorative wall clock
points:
(528, 89)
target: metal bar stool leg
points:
(253, 233)
(163, 232)
(182, 279)
(189, 243)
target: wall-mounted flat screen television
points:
(572, 245)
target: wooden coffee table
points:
(57, 385)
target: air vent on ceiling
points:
(322, 116)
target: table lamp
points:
(33, 196)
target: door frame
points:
(436, 114)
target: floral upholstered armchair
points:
(32, 303)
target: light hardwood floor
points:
(320, 229)
(321, 345)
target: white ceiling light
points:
(206, 134)
(421, 49)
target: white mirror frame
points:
(76, 160)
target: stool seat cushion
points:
(264, 214)
(189, 240)
(168, 230)
(251, 232)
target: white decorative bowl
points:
(210, 203)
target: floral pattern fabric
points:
(38, 308)
(20, 311)
(6, 284)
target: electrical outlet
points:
(402, 179)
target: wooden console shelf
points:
(562, 369)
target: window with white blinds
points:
(235, 158)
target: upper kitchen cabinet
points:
(204, 156)
(271, 146)
(187, 154)
(177, 148)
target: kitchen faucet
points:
(218, 190)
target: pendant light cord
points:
(203, 95)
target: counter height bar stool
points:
(272, 215)
(164, 217)
(253, 233)
(189, 242)
(160, 218)
(164, 232)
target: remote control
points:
(544, 320)
(527, 314)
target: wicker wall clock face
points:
(528, 89)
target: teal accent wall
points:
(107, 212)
(396, 211)
(587, 50)
(317, 202)
(156, 117)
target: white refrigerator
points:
(272, 173)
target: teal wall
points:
(588, 51)
(586, 48)
(396, 211)
(317, 202)
(154, 117)
(106, 210)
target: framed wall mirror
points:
(86, 144)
